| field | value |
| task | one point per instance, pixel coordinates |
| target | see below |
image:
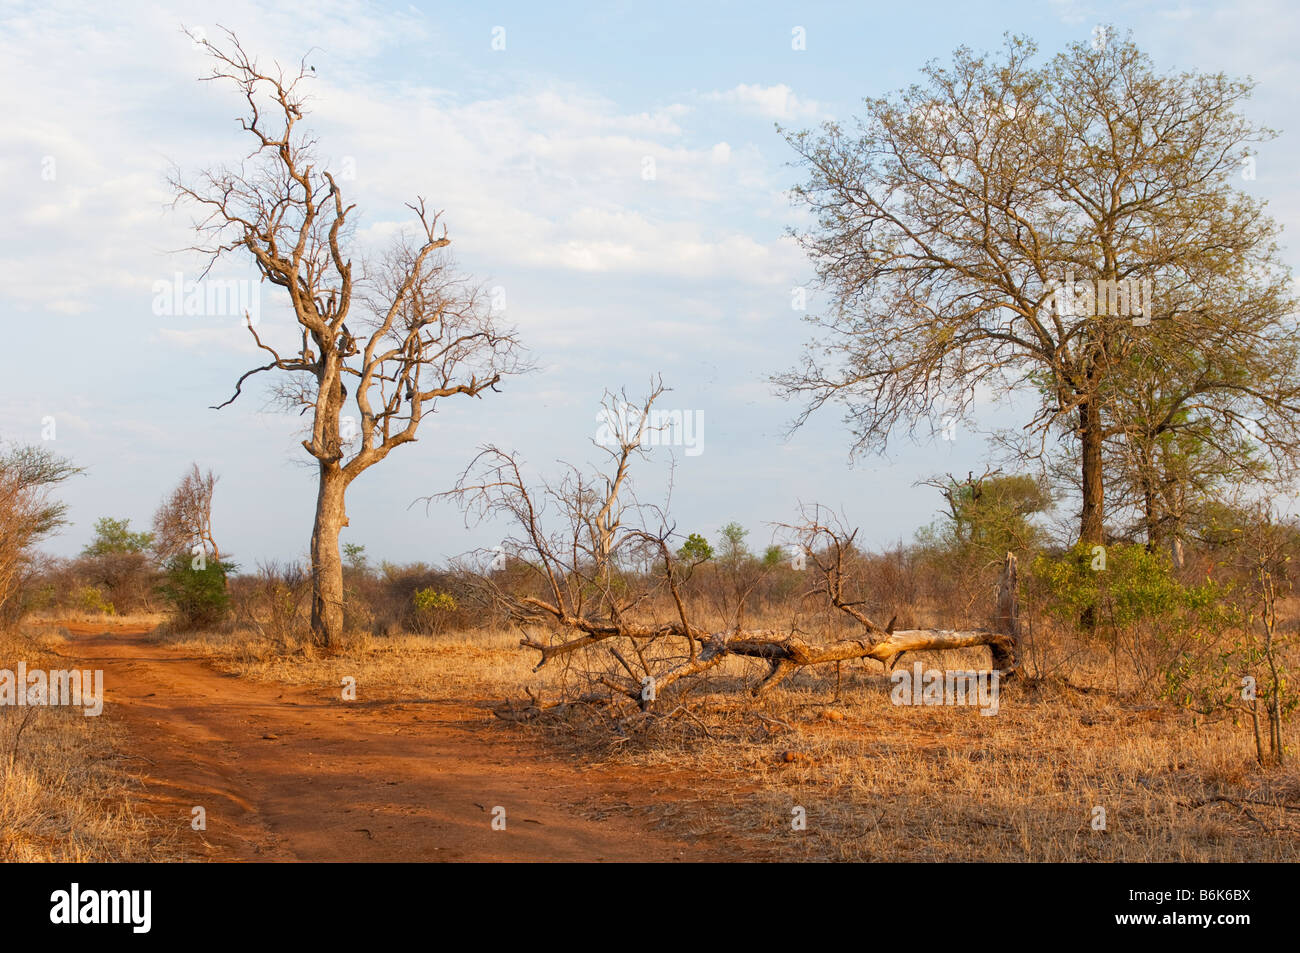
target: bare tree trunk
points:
(1176, 552)
(1008, 618)
(327, 565)
(1254, 720)
(1149, 515)
(1091, 522)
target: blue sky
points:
(536, 153)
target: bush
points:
(198, 596)
(1116, 585)
(128, 580)
(275, 601)
(433, 609)
(91, 599)
(388, 599)
(1136, 606)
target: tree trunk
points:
(327, 565)
(1149, 515)
(1091, 523)
(1008, 619)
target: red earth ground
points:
(292, 774)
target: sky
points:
(614, 174)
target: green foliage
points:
(198, 597)
(1119, 585)
(355, 556)
(430, 601)
(773, 556)
(696, 549)
(731, 544)
(989, 517)
(91, 599)
(115, 536)
(434, 610)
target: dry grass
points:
(64, 788)
(877, 781)
(61, 616)
(471, 665)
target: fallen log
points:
(786, 653)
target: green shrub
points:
(431, 600)
(198, 596)
(1137, 607)
(91, 599)
(433, 609)
(1134, 585)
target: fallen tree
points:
(631, 634)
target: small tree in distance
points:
(184, 520)
(696, 549)
(731, 544)
(114, 537)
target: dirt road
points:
(290, 774)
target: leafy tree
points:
(955, 224)
(696, 549)
(354, 554)
(731, 544)
(989, 516)
(114, 536)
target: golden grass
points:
(65, 790)
(59, 616)
(876, 781)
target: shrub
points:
(1117, 585)
(432, 610)
(197, 596)
(1132, 601)
(275, 601)
(91, 599)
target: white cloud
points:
(771, 102)
(548, 175)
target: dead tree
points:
(638, 635)
(394, 339)
(184, 520)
